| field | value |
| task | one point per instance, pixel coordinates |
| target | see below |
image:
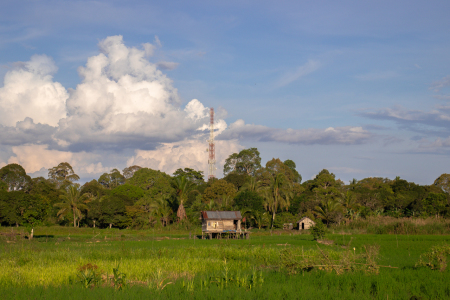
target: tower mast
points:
(212, 146)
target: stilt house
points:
(221, 221)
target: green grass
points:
(46, 267)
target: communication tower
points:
(212, 147)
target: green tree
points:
(291, 165)
(128, 172)
(72, 204)
(154, 183)
(130, 191)
(246, 161)
(183, 187)
(62, 174)
(162, 209)
(192, 175)
(15, 177)
(252, 185)
(217, 189)
(112, 179)
(238, 180)
(443, 182)
(278, 194)
(328, 210)
(249, 199)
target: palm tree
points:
(277, 194)
(260, 218)
(327, 209)
(349, 204)
(162, 209)
(252, 185)
(183, 187)
(72, 203)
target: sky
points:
(361, 88)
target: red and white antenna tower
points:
(212, 146)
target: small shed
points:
(305, 223)
(288, 226)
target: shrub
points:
(318, 231)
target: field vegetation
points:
(127, 264)
(131, 234)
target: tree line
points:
(267, 196)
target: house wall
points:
(218, 225)
(307, 222)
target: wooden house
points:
(305, 223)
(216, 223)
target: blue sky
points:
(361, 88)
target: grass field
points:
(169, 265)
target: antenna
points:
(212, 146)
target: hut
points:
(305, 223)
(216, 223)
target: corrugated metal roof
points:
(221, 215)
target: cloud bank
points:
(125, 111)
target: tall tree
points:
(112, 179)
(328, 210)
(443, 182)
(62, 173)
(183, 187)
(291, 165)
(72, 203)
(278, 194)
(245, 162)
(128, 172)
(192, 175)
(217, 190)
(15, 177)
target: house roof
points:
(304, 218)
(221, 215)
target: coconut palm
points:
(260, 218)
(252, 185)
(350, 205)
(72, 203)
(277, 194)
(161, 209)
(183, 187)
(327, 210)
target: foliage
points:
(238, 180)
(217, 189)
(277, 194)
(128, 172)
(249, 199)
(119, 279)
(62, 173)
(72, 204)
(183, 187)
(112, 179)
(134, 193)
(246, 161)
(436, 258)
(291, 165)
(284, 217)
(88, 275)
(15, 177)
(154, 183)
(443, 182)
(18, 208)
(318, 231)
(192, 175)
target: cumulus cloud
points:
(339, 135)
(29, 91)
(35, 157)
(125, 108)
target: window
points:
(209, 223)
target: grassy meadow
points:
(169, 265)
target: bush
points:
(318, 231)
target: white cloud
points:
(185, 154)
(29, 91)
(35, 157)
(167, 65)
(309, 67)
(338, 135)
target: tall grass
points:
(390, 225)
